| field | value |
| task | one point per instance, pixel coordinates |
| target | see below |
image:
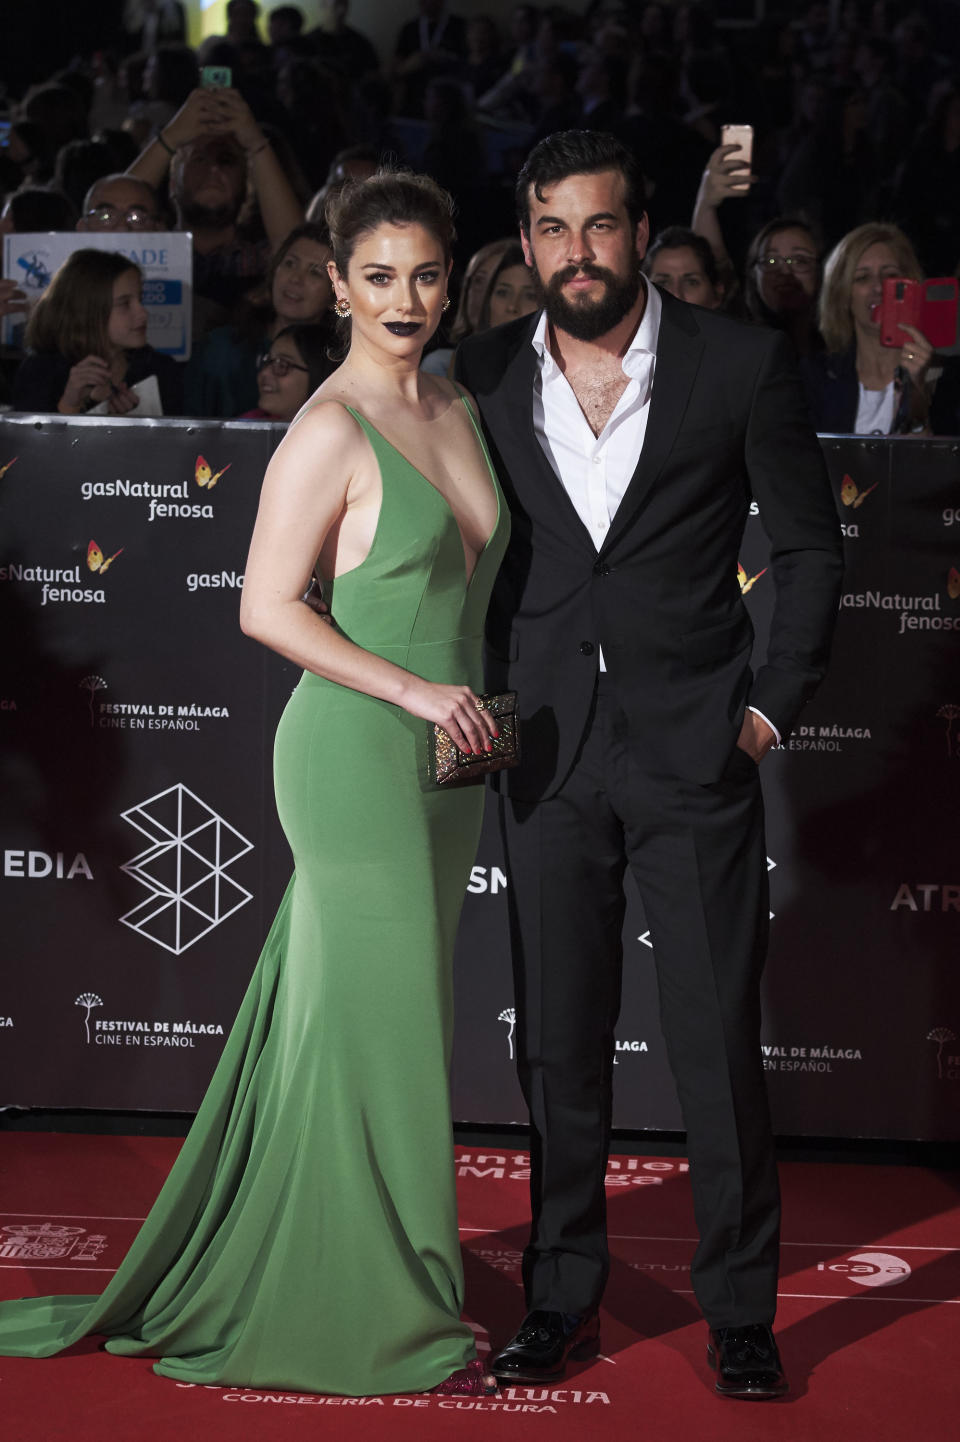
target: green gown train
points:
(306, 1238)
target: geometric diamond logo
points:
(183, 868)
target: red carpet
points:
(869, 1318)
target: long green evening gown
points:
(306, 1237)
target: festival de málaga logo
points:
(154, 1032)
(92, 684)
(509, 1015)
(950, 712)
(948, 1067)
(151, 715)
(88, 1000)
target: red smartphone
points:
(931, 306)
(741, 136)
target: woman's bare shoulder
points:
(326, 419)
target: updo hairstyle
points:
(391, 197)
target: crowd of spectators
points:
(855, 176)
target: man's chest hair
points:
(597, 392)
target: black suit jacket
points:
(727, 423)
(833, 392)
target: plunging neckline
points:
(468, 580)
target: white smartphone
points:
(741, 136)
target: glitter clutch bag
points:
(452, 766)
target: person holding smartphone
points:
(859, 386)
(212, 147)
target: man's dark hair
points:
(290, 15)
(36, 207)
(578, 152)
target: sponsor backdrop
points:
(142, 859)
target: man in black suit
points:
(631, 432)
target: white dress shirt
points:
(596, 470)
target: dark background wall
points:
(142, 859)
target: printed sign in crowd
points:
(165, 258)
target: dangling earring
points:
(446, 303)
(342, 308)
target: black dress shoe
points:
(539, 1351)
(746, 1362)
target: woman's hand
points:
(724, 179)
(87, 384)
(12, 300)
(122, 400)
(455, 709)
(916, 355)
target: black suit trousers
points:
(697, 854)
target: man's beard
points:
(587, 319)
(194, 216)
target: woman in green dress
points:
(307, 1235)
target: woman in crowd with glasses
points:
(222, 375)
(87, 343)
(782, 281)
(290, 371)
(858, 386)
(782, 270)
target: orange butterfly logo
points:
(953, 583)
(851, 496)
(96, 561)
(4, 469)
(747, 582)
(205, 476)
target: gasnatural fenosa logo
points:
(851, 495)
(747, 583)
(204, 475)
